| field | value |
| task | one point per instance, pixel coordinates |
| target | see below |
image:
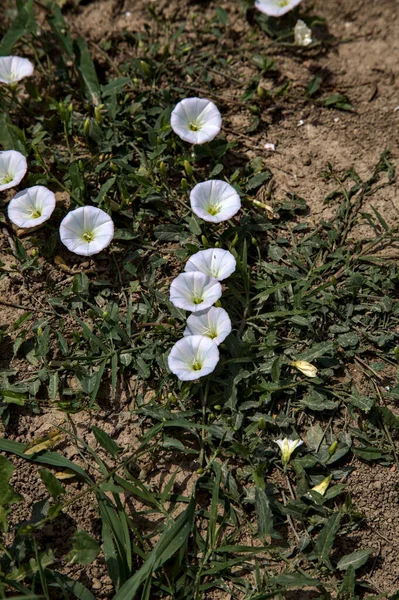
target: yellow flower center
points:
(284, 3)
(88, 236)
(193, 126)
(197, 299)
(6, 179)
(36, 214)
(197, 365)
(213, 209)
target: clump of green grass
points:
(249, 527)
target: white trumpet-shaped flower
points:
(287, 447)
(214, 323)
(276, 8)
(86, 230)
(196, 120)
(215, 262)
(194, 291)
(13, 167)
(193, 357)
(31, 207)
(14, 68)
(214, 201)
(302, 34)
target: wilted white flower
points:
(196, 120)
(86, 230)
(192, 357)
(194, 291)
(270, 147)
(12, 168)
(287, 447)
(321, 488)
(213, 323)
(215, 262)
(14, 68)
(276, 8)
(31, 207)
(214, 201)
(302, 34)
(305, 367)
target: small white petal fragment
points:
(300, 123)
(302, 34)
(86, 230)
(192, 357)
(31, 207)
(214, 262)
(270, 147)
(13, 167)
(14, 68)
(194, 291)
(214, 201)
(196, 120)
(305, 367)
(276, 8)
(214, 323)
(287, 447)
(321, 488)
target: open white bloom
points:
(214, 201)
(86, 230)
(31, 207)
(193, 357)
(214, 323)
(302, 34)
(14, 68)
(194, 291)
(305, 367)
(276, 8)
(196, 120)
(215, 262)
(287, 447)
(12, 168)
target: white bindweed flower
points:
(214, 201)
(86, 230)
(214, 262)
(196, 120)
(321, 488)
(302, 34)
(12, 168)
(305, 367)
(31, 207)
(214, 323)
(14, 68)
(194, 291)
(193, 357)
(287, 447)
(276, 8)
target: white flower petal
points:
(276, 8)
(302, 34)
(194, 291)
(192, 357)
(14, 68)
(214, 262)
(196, 120)
(13, 167)
(287, 447)
(214, 201)
(214, 323)
(86, 230)
(31, 207)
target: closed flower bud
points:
(305, 367)
(184, 184)
(97, 114)
(86, 127)
(188, 169)
(333, 448)
(321, 488)
(162, 168)
(145, 68)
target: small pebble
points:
(96, 584)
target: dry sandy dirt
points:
(362, 63)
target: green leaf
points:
(313, 86)
(87, 71)
(7, 494)
(106, 441)
(347, 587)
(295, 580)
(170, 542)
(354, 559)
(47, 458)
(257, 180)
(23, 24)
(325, 539)
(264, 514)
(365, 403)
(52, 484)
(84, 549)
(11, 137)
